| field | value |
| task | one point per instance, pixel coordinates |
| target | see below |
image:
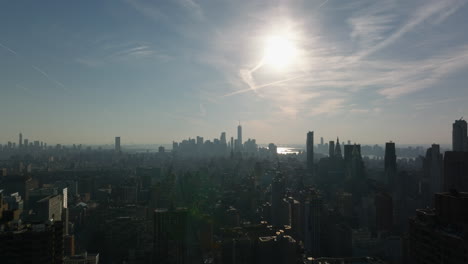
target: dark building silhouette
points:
(338, 149)
(433, 169)
(239, 138)
(331, 149)
(390, 164)
(117, 144)
(170, 235)
(278, 190)
(383, 211)
(40, 243)
(310, 150)
(279, 249)
(459, 136)
(439, 235)
(456, 171)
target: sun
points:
(280, 52)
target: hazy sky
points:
(156, 71)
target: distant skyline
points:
(157, 71)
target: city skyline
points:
(161, 71)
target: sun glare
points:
(279, 52)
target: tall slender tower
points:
(459, 136)
(239, 137)
(390, 163)
(117, 144)
(331, 149)
(20, 143)
(310, 150)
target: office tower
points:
(222, 139)
(170, 235)
(26, 143)
(199, 141)
(232, 143)
(161, 149)
(438, 235)
(278, 190)
(459, 136)
(239, 137)
(313, 227)
(390, 163)
(310, 150)
(20, 143)
(331, 149)
(383, 211)
(338, 149)
(455, 171)
(49, 208)
(433, 169)
(117, 144)
(33, 243)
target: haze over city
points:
(158, 71)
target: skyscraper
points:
(20, 144)
(459, 136)
(433, 169)
(331, 149)
(310, 150)
(338, 149)
(390, 163)
(239, 137)
(117, 144)
(455, 171)
(223, 138)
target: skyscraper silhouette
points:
(117, 144)
(20, 143)
(338, 149)
(390, 163)
(331, 149)
(310, 150)
(459, 136)
(239, 137)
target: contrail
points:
(322, 4)
(48, 77)
(8, 49)
(263, 86)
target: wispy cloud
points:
(8, 49)
(110, 52)
(345, 71)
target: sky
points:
(157, 71)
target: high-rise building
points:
(33, 243)
(439, 235)
(117, 144)
(338, 149)
(383, 211)
(278, 190)
(20, 143)
(170, 235)
(331, 149)
(456, 171)
(433, 169)
(390, 163)
(313, 224)
(239, 137)
(222, 139)
(459, 136)
(310, 150)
